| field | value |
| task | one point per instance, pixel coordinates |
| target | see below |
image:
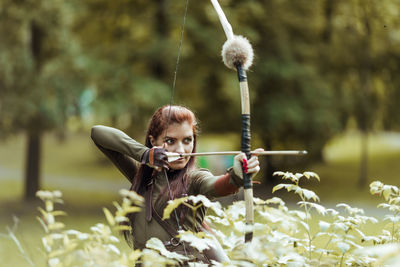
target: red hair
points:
(158, 125)
(178, 179)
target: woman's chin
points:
(178, 165)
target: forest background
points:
(325, 79)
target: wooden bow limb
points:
(237, 54)
(172, 156)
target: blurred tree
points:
(40, 79)
(294, 107)
(316, 65)
(359, 49)
(131, 56)
(142, 39)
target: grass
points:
(340, 174)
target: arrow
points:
(172, 156)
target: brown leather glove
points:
(156, 157)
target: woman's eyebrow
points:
(168, 137)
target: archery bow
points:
(237, 54)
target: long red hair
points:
(158, 125)
(178, 179)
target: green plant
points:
(311, 236)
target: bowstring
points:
(177, 65)
(170, 106)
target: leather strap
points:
(148, 196)
(151, 212)
(167, 227)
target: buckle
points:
(174, 242)
(149, 183)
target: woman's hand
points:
(156, 157)
(250, 166)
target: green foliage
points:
(282, 236)
(41, 76)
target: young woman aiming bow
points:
(171, 129)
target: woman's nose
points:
(180, 148)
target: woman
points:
(172, 129)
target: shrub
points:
(310, 236)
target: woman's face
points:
(179, 138)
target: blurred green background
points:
(325, 79)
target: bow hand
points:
(251, 166)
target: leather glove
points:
(156, 158)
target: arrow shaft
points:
(222, 153)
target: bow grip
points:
(246, 136)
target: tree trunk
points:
(366, 118)
(32, 165)
(161, 29)
(364, 160)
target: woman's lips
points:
(179, 160)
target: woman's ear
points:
(152, 140)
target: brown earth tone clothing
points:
(126, 154)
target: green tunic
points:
(126, 154)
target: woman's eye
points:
(188, 140)
(169, 141)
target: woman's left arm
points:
(218, 186)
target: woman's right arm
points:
(122, 150)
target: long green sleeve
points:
(121, 149)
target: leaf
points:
(42, 194)
(150, 258)
(275, 200)
(394, 200)
(291, 257)
(58, 213)
(392, 218)
(134, 255)
(46, 229)
(319, 208)
(172, 205)
(56, 226)
(133, 196)
(56, 253)
(376, 187)
(200, 240)
(219, 220)
(132, 209)
(109, 217)
(384, 205)
(301, 214)
(277, 187)
(114, 249)
(305, 226)
(324, 226)
(117, 206)
(120, 219)
(340, 225)
(123, 228)
(387, 191)
(344, 247)
(278, 173)
(198, 264)
(49, 205)
(309, 175)
(47, 243)
(156, 244)
(215, 206)
(308, 194)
